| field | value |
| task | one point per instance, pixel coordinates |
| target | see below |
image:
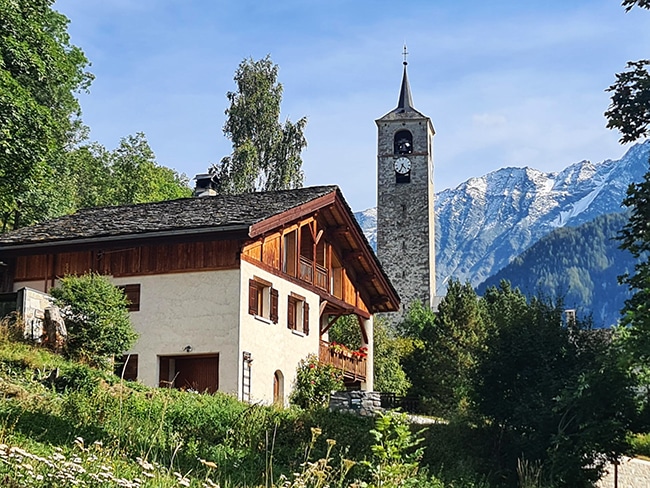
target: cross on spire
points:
(405, 102)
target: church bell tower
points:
(405, 212)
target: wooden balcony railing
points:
(353, 367)
(306, 270)
(322, 278)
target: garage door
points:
(197, 373)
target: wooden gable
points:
(324, 250)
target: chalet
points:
(227, 292)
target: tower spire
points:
(405, 101)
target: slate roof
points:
(207, 213)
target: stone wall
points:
(631, 473)
(31, 305)
(364, 403)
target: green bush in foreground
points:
(96, 317)
(314, 383)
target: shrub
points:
(96, 317)
(641, 444)
(12, 328)
(396, 454)
(314, 383)
(77, 377)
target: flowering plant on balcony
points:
(344, 350)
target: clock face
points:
(402, 165)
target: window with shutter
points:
(262, 299)
(253, 298)
(298, 314)
(132, 294)
(305, 318)
(292, 308)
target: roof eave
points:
(392, 298)
(243, 229)
(275, 221)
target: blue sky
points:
(506, 83)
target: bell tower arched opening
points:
(403, 142)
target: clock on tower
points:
(405, 212)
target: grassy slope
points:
(63, 412)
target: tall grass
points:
(67, 424)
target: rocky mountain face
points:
(486, 222)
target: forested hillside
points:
(579, 264)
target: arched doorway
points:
(278, 388)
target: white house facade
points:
(228, 293)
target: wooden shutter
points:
(253, 305)
(305, 318)
(291, 313)
(274, 305)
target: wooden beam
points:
(380, 300)
(364, 334)
(330, 324)
(352, 255)
(295, 213)
(323, 304)
(366, 276)
(339, 230)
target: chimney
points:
(206, 185)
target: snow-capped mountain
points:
(368, 221)
(485, 222)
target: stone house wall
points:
(31, 305)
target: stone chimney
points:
(206, 185)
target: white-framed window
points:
(298, 314)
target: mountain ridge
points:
(486, 221)
(579, 265)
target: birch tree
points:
(266, 153)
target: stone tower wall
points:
(405, 213)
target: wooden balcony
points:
(353, 367)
